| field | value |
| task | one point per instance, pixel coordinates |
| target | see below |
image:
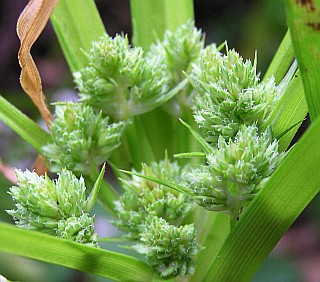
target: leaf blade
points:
(303, 21)
(116, 266)
(76, 27)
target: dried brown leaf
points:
(39, 166)
(30, 24)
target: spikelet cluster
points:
(80, 138)
(56, 207)
(152, 214)
(120, 80)
(229, 94)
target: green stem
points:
(212, 232)
(147, 27)
(139, 144)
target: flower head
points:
(120, 80)
(143, 197)
(169, 249)
(234, 170)
(56, 207)
(80, 138)
(229, 94)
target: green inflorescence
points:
(56, 207)
(229, 94)
(80, 138)
(154, 214)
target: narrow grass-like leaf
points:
(94, 192)
(77, 25)
(23, 125)
(197, 136)
(286, 194)
(30, 24)
(190, 155)
(163, 182)
(292, 110)
(150, 19)
(281, 61)
(303, 21)
(42, 247)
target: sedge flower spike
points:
(57, 207)
(229, 94)
(80, 138)
(152, 214)
(234, 171)
(143, 197)
(178, 50)
(170, 249)
(120, 80)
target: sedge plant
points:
(228, 152)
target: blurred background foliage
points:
(248, 26)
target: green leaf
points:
(303, 21)
(23, 125)
(197, 136)
(291, 110)
(42, 247)
(76, 26)
(281, 61)
(151, 18)
(190, 155)
(163, 182)
(95, 191)
(286, 194)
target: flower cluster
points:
(231, 107)
(153, 213)
(234, 170)
(57, 207)
(177, 51)
(120, 80)
(229, 94)
(80, 138)
(169, 249)
(125, 81)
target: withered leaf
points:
(29, 27)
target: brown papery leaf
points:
(30, 24)
(39, 166)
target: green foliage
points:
(81, 139)
(237, 172)
(54, 207)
